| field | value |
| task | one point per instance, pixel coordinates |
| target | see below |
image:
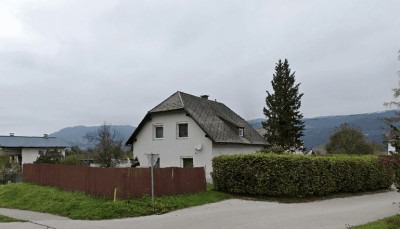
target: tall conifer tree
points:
(284, 125)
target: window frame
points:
(178, 130)
(155, 126)
(187, 157)
(241, 132)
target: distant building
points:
(23, 149)
(186, 131)
(390, 148)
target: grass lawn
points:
(387, 223)
(6, 219)
(76, 205)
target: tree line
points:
(284, 124)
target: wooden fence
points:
(130, 182)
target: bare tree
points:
(105, 145)
(393, 132)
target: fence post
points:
(152, 181)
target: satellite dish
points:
(198, 147)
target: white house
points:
(187, 131)
(22, 149)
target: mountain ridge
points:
(317, 129)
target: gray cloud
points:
(85, 62)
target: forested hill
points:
(318, 130)
(74, 136)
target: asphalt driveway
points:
(235, 213)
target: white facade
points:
(29, 155)
(172, 149)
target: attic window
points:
(182, 130)
(158, 131)
(241, 132)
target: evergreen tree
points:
(284, 124)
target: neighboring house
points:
(390, 148)
(187, 131)
(22, 149)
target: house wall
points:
(170, 148)
(222, 149)
(29, 155)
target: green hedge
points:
(393, 162)
(299, 175)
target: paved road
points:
(334, 213)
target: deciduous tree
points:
(348, 140)
(393, 123)
(105, 145)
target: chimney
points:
(45, 135)
(12, 134)
(204, 96)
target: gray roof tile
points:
(218, 121)
(31, 142)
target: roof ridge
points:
(16, 136)
(180, 97)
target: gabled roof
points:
(218, 121)
(31, 142)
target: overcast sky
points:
(72, 62)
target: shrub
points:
(393, 162)
(8, 171)
(72, 160)
(52, 156)
(299, 175)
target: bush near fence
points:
(393, 162)
(129, 182)
(299, 175)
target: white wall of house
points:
(29, 155)
(231, 149)
(171, 148)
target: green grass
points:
(6, 219)
(210, 186)
(76, 205)
(387, 223)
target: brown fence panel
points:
(130, 182)
(136, 183)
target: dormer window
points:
(241, 132)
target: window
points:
(158, 132)
(187, 162)
(241, 132)
(183, 130)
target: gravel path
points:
(235, 213)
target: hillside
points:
(318, 130)
(75, 135)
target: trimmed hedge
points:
(299, 175)
(393, 162)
